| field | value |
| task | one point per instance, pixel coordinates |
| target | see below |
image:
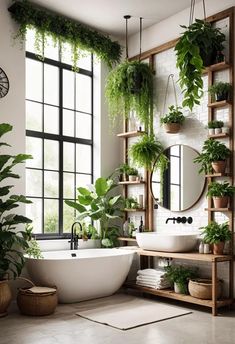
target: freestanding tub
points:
(81, 274)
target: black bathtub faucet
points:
(74, 237)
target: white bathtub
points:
(92, 273)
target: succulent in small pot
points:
(217, 234)
(213, 157)
(132, 174)
(179, 276)
(220, 91)
(173, 120)
(220, 193)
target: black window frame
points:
(60, 138)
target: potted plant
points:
(179, 276)
(215, 127)
(220, 91)
(123, 170)
(131, 203)
(220, 193)
(88, 237)
(33, 249)
(213, 157)
(217, 234)
(132, 174)
(196, 49)
(12, 242)
(173, 120)
(97, 204)
(129, 87)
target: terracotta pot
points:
(221, 202)
(172, 128)
(219, 166)
(218, 248)
(5, 297)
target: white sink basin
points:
(168, 242)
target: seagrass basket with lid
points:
(37, 301)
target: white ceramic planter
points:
(132, 178)
(218, 131)
(211, 131)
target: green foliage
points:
(124, 95)
(33, 249)
(145, 151)
(131, 203)
(12, 242)
(173, 116)
(63, 30)
(98, 205)
(220, 89)
(124, 168)
(198, 41)
(212, 150)
(215, 233)
(215, 124)
(220, 189)
(180, 274)
(88, 232)
(132, 172)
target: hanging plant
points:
(129, 87)
(63, 30)
(195, 50)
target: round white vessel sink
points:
(168, 242)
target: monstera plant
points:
(97, 204)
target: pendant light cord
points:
(127, 17)
(141, 19)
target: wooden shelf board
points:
(126, 239)
(134, 210)
(217, 67)
(187, 256)
(219, 104)
(218, 175)
(132, 183)
(131, 133)
(219, 136)
(218, 209)
(170, 294)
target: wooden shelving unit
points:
(218, 136)
(135, 210)
(125, 239)
(216, 175)
(217, 67)
(220, 104)
(131, 134)
(132, 183)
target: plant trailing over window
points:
(195, 50)
(63, 30)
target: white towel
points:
(150, 272)
(150, 279)
(154, 286)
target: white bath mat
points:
(126, 311)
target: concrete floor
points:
(66, 328)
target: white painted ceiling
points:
(107, 15)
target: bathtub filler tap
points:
(74, 237)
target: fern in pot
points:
(195, 50)
(216, 234)
(220, 193)
(220, 91)
(213, 157)
(173, 120)
(179, 276)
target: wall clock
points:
(4, 83)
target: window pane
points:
(175, 150)
(83, 180)
(33, 183)
(67, 54)
(51, 119)
(33, 116)
(51, 184)
(69, 218)
(68, 123)
(69, 185)
(51, 155)
(175, 170)
(51, 84)
(68, 89)
(34, 212)
(30, 39)
(85, 62)
(83, 158)
(51, 49)
(69, 156)
(51, 216)
(34, 147)
(83, 126)
(83, 93)
(33, 80)
(175, 197)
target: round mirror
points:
(175, 182)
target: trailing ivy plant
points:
(63, 30)
(199, 42)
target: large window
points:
(59, 136)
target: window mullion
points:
(61, 152)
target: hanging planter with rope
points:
(196, 49)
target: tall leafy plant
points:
(99, 205)
(199, 41)
(12, 241)
(63, 30)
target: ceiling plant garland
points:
(63, 30)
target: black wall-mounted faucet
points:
(179, 219)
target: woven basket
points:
(37, 301)
(201, 288)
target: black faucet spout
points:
(74, 236)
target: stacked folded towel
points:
(152, 278)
